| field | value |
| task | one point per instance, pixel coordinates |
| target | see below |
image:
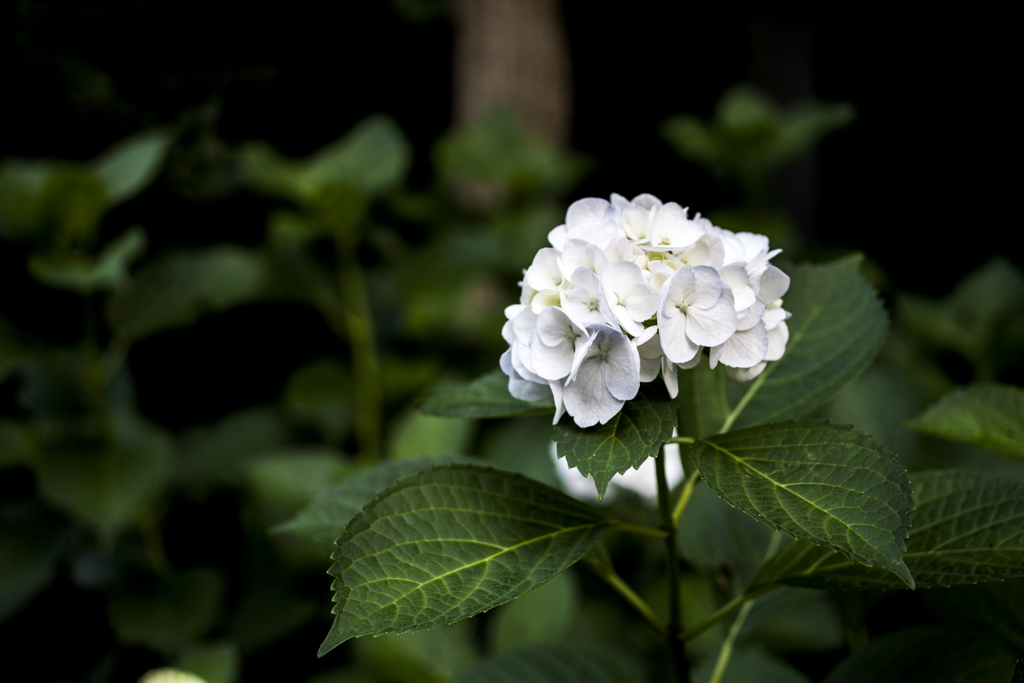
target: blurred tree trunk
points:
(515, 53)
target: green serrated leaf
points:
(967, 527)
(128, 167)
(449, 542)
(989, 416)
(927, 654)
(837, 328)
(702, 403)
(824, 483)
(635, 434)
(486, 396)
(557, 663)
(323, 521)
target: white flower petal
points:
(736, 277)
(619, 249)
(671, 229)
(557, 237)
(520, 388)
(556, 392)
(641, 302)
(637, 223)
(600, 234)
(745, 349)
(675, 292)
(587, 398)
(746, 374)
(670, 375)
(693, 362)
(711, 326)
(751, 316)
(707, 287)
(647, 201)
(623, 374)
(589, 210)
(524, 324)
(546, 270)
(546, 298)
(774, 284)
(580, 254)
(777, 339)
(677, 346)
(774, 316)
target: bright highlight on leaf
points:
(968, 527)
(824, 483)
(989, 416)
(449, 542)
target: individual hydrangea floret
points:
(631, 290)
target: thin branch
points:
(684, 496)
(640, 529)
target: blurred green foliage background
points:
(203, 328)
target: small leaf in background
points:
(523, 445)
(989, 416)
(30, 541)
(750, 664)
(268, 611)
(22, 182)
(177, 288)
(576, 662)
(212, 662)
(486, 396)
(323, 521)
(321, 393)
(107, 271)
(128, 167)
(177, 611)
(824, 483)
(967, 527)
(837, 328)
(415, 434)
(15, 446)
(927, 654)
(289, 478)
(702, 403)
(106, 485)
(997, 606)
(220, 454)
(635, 434)
(973, 317)
(372, 157)
(431, 656)
(541, 615)
(452, 561)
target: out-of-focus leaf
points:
(128, 167)
(323, 521)
(989, 416)
(322, 393)
(635, 434)
(168, 675)
(810, 624)
(702, 403)
(29, 544)
(751, 664)
(42, 196)
(15, 350)
(524, 446)
(927, 654)
(577, 662)
(431, 656)
(290, 478)
(22, 182)
(713, 535)
(104, 484)
(108, 271)
(462, 564)
(996, 605)
(268, 612)
(181, 286)
(538, 616)
(494, 159)
(15, 446)
(179, 610)
(416, 434)
(213, 662)
(372, 157)
(824, 483)
(838, 326)
(220, 454)
(967, 527)
(486, 396)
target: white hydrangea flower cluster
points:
(633, 289)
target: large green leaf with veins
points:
(449, 542)
(989, 416)
(968, 527)
(627, 440)
(820, 482)
(837, 327)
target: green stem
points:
(725, 611)
(640, 529)
(641, 606)
(725, 653)
(743, 402)
(675, 644)
(684, 497)
(363, 344)
(681, 439)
